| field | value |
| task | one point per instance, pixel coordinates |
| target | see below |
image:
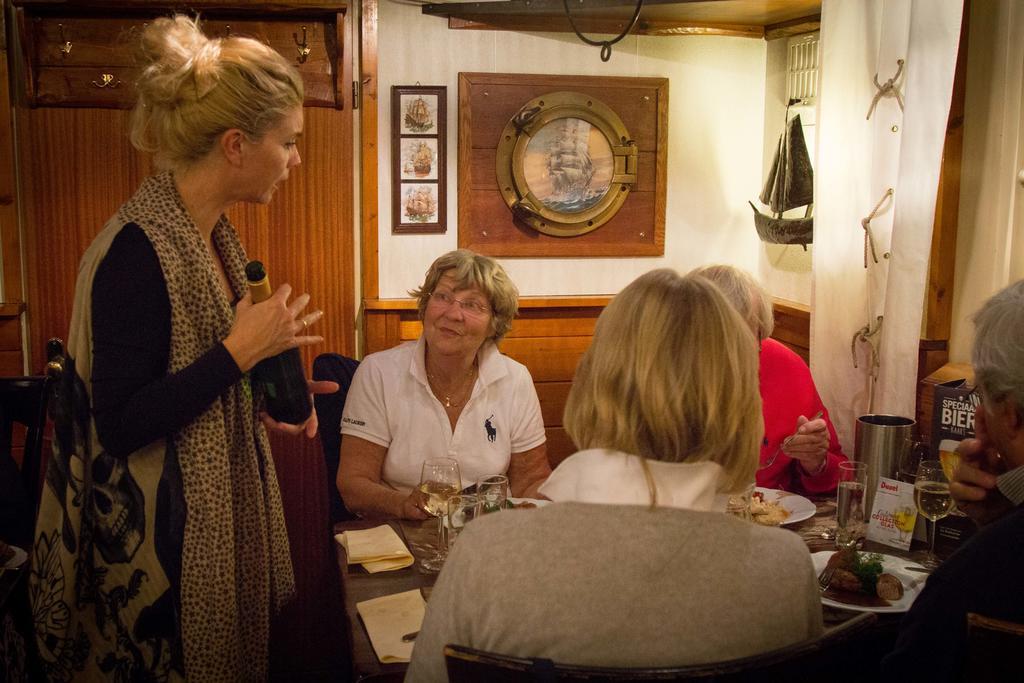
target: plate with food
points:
(772, 507)
(526, 503)
(11, 556)
(869, 582)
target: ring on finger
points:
(305, 324)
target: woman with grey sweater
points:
(636, 564)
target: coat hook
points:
(107, 81)
(65, 45)
(303, 47)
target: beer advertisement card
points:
(893, 514)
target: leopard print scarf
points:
(217, 472)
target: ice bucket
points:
(881, 441)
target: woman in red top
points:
(809, 461)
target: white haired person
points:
(636, 562)
(161, 550)
(451, 393)
(800, 450)
(984, 575)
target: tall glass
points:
(493, 492)
(931, 494)
(462, 509)
(439, 481)
(850, 524)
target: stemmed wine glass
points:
(933, 500)
(439, 481)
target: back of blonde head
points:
(671, 375)
(193, 88)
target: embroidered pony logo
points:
(492, 433)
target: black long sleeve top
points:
(135, 400)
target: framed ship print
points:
(418, 165)
(562, 166)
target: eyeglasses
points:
(468, 306)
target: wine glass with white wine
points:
(931, 495)
(439, 481)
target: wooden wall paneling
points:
(942, 259)
(12, 360)
(792, 326)
(77, 167)
(369, 246)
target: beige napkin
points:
(378, 549)
(389, 618)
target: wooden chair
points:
(993, 649)
(340, 369)
(831, 657)
(23, 400)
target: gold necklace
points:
(432, 380)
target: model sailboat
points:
(790, 185)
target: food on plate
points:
(6, 553)
(768, 513)
(521, 505)
(889, 587)
(862, 573)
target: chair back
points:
(993, 647)
(822, 658)
(23, 400)
(329, 407)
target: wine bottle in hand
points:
(281, 376)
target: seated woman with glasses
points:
(636, 563)
(451, 393)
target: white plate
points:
(799, 508)
(17, 560)
(913, 582)
(536, 501)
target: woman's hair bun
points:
(178, 61)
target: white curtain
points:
(858, 161)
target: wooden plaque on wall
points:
(486, 225)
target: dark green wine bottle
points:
(281, 376)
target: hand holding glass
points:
(439, 481)
(931, 494)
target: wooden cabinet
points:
(80, 55)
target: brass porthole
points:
(559, 160)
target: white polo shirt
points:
(391, 404)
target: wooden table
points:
(358, 585)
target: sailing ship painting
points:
(419, 203)
(419, 113)
(418, 155)
(790, 185)
(568, 165)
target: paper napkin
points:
(389, 618)
(378, 549)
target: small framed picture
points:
(418, 170)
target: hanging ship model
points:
(790, 185)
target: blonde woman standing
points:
(636, 563)
(161, 550)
